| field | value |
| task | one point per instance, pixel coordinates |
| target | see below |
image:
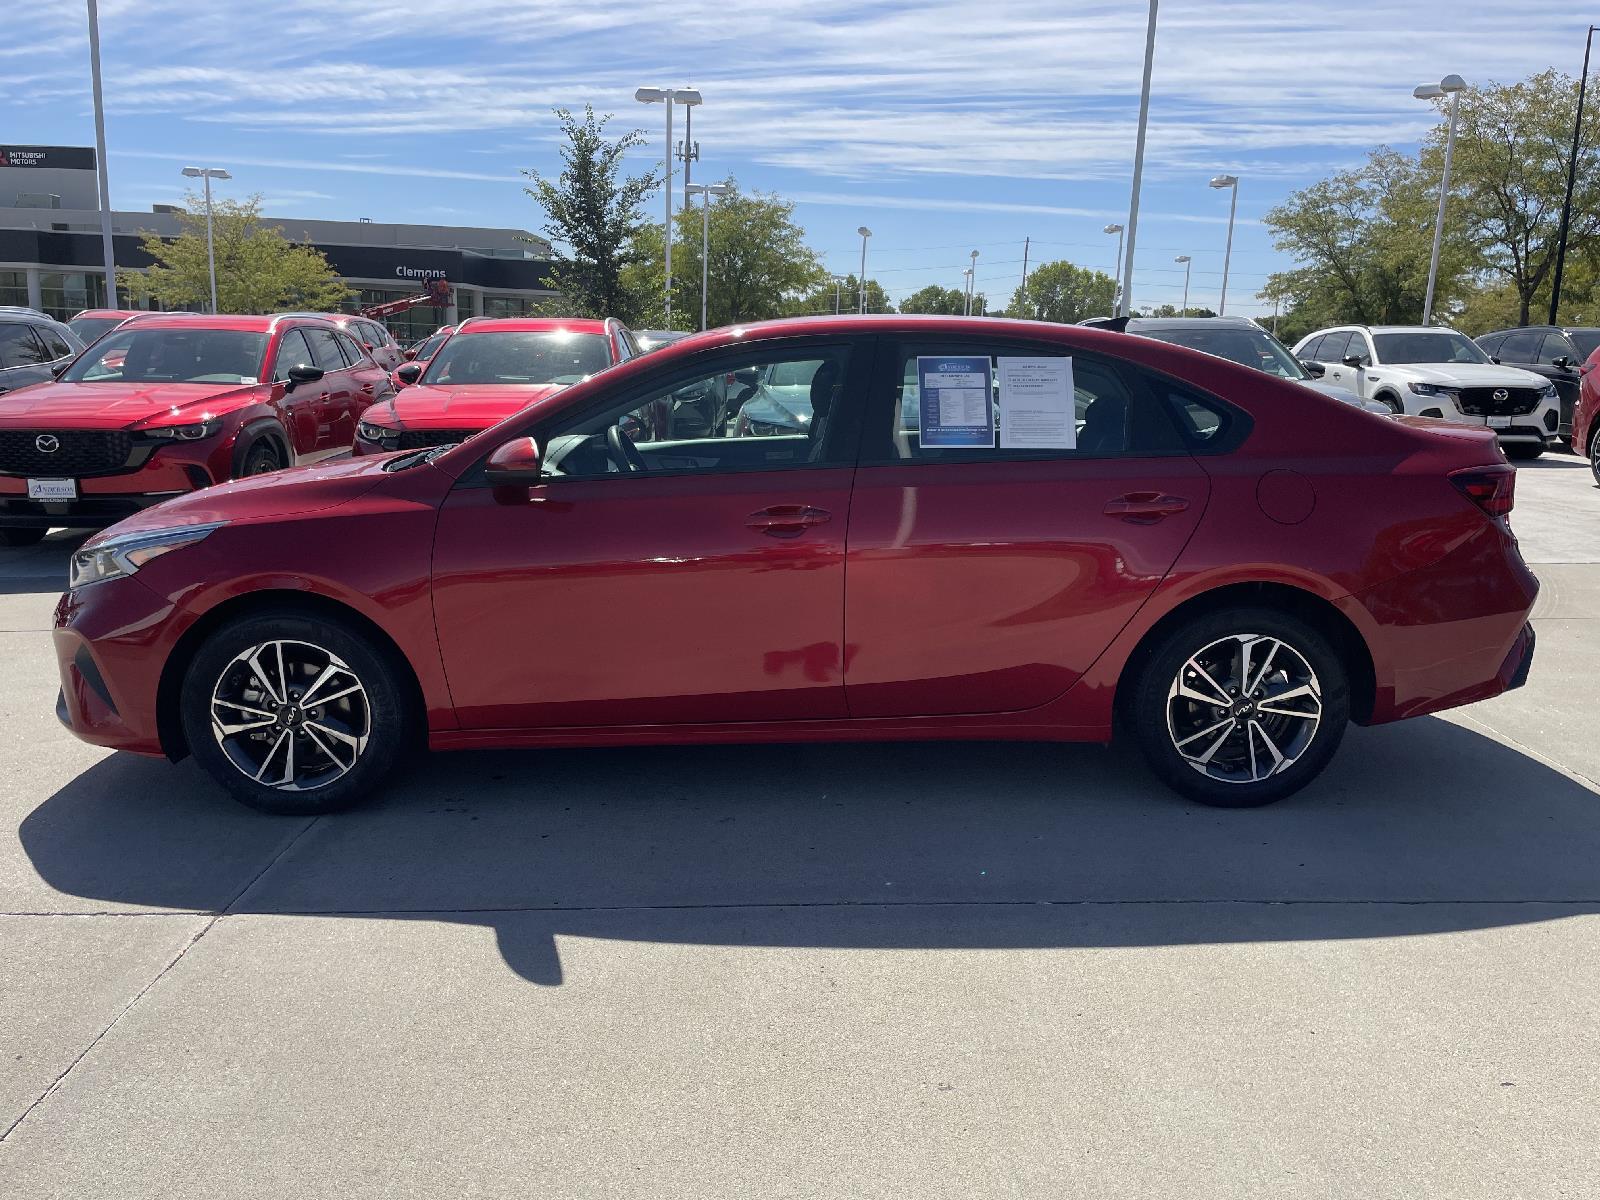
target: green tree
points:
(847, 292)
(936, 299)
(1064, 292)
(760, 265)
(1172, 310)
(593, 216)
(259, 270)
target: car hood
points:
(1344, 394)
(439, 406)
(1466, 374)
(287, 493)
(115, 405)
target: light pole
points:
(100, 156)
(972, 282)
(1138, 162)
(1572, 177)
(1232, 183)
(208, 174)
(667, 96)
(1116, 291)
(838, 293)
(1184, 259)
(966, 290)
(1452, 86)
(706, 191)
(865, 234)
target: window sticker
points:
(1037, 408)
(957, 405)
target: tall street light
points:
(668, 96)
(966, 290)
(1232, 183)
(100, 156)
(1116, 291)
(706, 191)
(1452, 86)
(865, 234)
(1572, 177)
(972, 282)
(1124, 306)
(1184, 259)
(208, 174)
(838, 293)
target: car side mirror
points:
(409, 373)
(410, 354)
(749, 377)
(59, 369)
(1313, 368)
(1562, 363)
(514, 464)
(303, 373)
(1495, 359)
(1351, 360)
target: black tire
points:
(18, 537)
(1594, 456)
(1158, 732)
(1523, 452)
(1396, 406)
(218, 670)
(260, 459)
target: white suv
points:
(1429, 371)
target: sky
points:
(945, 127)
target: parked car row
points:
(1223, 562)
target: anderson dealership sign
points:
(60, 158)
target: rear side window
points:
(353, 354)
(19, 348)
(1203, 422)
(976, 402)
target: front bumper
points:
(86, 512)
(112, 640)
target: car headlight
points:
(191, 432)
(1547, 392)
(117, 557)
(367, 431)
(1434, 389)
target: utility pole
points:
(100, 156)
(1024, 293)
(1125, 305)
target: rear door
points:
(987, 578)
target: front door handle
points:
(1145, 508)
(787, 520)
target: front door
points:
(653, 580)
(988, 577)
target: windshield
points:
(1445, 346)
(1585, 341)
(1254, 348)
(145, 355)
(90, 328)
(554, 357)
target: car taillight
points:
(1492, 489)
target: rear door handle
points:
(787, 520)
(1145, 508)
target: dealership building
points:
(52, 256)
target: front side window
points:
(292, 352)
(1333, 348)
(1441, 346)
(354, 356)
(143, 354)
(1587, 341)
(1521, 346)
(1556, 346)
(976, 402)
(325, 349)
(1357, 347)
(506, 357)
(761, 412)
(57, 345)
(89, 328)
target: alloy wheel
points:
(290, 715)
(1244, 708)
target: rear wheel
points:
(293, 714)
(22, 537)
(262, 457)
(1241, 707)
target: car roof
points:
(109, 313)
(533, 325)
(1191, 323)
(1545, 328)
(242, 323)
(32, 316)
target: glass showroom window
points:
(14, 288)
(64, 295)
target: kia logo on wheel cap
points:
(47, 443)
(1501, 394)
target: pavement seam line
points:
(1474, 719)
(60, 1079)
(56, 1084)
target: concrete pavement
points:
(818, 971)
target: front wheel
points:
(1240, 707)
(293, 714)
(1594, 456)
(20, 537)
(261, 459)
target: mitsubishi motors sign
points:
(60, 158)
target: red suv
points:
(987, 529)
(1586, 415)
(161, 407)
(489, 368)
(373, 335)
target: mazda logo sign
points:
(47, 443)
(1501, 394)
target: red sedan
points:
(169, 403)
(987, 529)
(486, 370)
